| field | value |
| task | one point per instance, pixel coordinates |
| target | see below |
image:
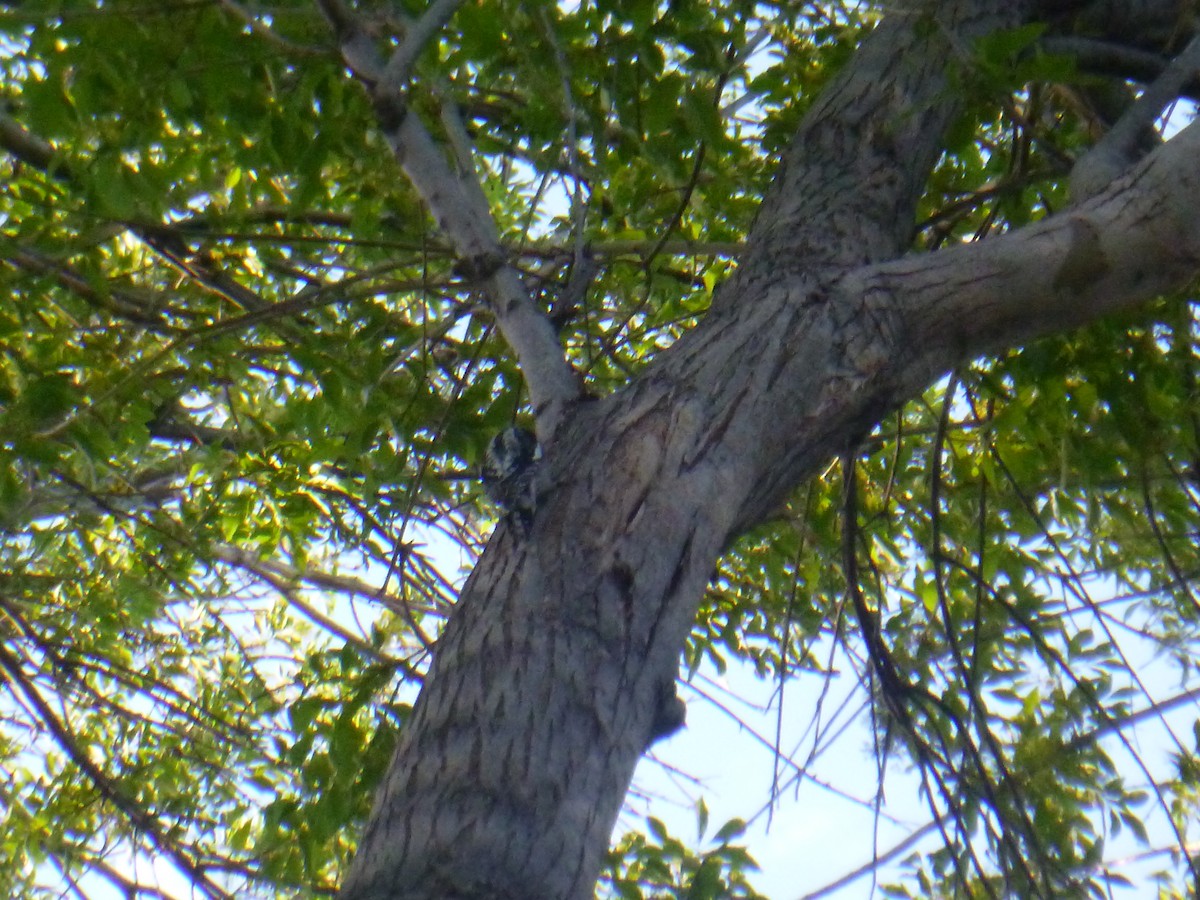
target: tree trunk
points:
(549, 678)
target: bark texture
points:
(546, 684)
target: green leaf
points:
(731, 829)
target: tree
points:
(277, 275)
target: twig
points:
(264, 31)
(110, 790)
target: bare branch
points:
(1119, 149)
(876, 863)
(462, 213)
(286, 580)
(399, 67)
(292, 575)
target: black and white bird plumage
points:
(507, 472)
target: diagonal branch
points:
(280, 573)
(30, 149)
(111, 790)
(459, 207)
(139, 305)
(1137, 240)
(256, 24)
(399, 67)
(163, 240)
(1119, 149)
(850, 180)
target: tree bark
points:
(548, 679)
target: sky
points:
(816, 835)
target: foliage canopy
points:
(244, 388)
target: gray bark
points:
(546, 684)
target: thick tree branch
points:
(399, 67)
(849, 182)
(1155, 24)
(1101, 57)
(1137, 240)
(1120, 148)
(528, 331)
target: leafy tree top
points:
(249, 365)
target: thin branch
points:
(583, 264)
(878, 860)
(164, 240)
(399, 67)
(280, 572)
(799, 771)
(894, 689)
(127, 887)
(142, 308)
(1164, 547)
(109, 789)
(258, 27)
(467, 222)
